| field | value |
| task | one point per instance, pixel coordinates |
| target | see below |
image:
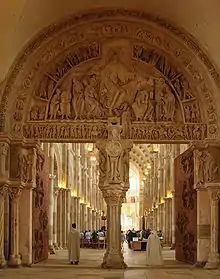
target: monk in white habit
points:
(154, 250)
(74, 245)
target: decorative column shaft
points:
(3, 190)
(64, 218)
(55, 227)
(114, 183)
(173, 221)
(51, 211)
(15, 259)
(68, 207)
(59, 219)
(213, 260)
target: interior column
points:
(55, 226)
(214, 194)
(25, 226)
(51, 199)
(15, 258)
(64, 219)
(3, 190)
(59, 219)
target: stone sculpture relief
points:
(206, 167)
(109, 88)
(57, 50)
(25, 164)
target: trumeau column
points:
(214, 194)
(114, 183)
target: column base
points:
(56, 247)
(14, 261)
(52, 250)
(113, 261)
(3, 262)
(173, 246)
(200, 264)
(213, 262)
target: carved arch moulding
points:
(112, 64)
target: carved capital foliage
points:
(113, 196)
(214, 193)
(3, 190)
(15, 193)
(146, 79)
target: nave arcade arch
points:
(113, 77)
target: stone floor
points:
(56, 267)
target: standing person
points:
(154, 250)
(74, 245)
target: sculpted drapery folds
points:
(206, 167)
(24, 164)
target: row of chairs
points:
(100, 243)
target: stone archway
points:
(112, 77)
(159, 63)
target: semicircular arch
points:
(78, 73)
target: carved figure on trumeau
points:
(114, 152)
(102, 166)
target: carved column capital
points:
(56, 191)
(4, 147)
(213, 191)
(15, 192)
(3, 190)
(112, 196)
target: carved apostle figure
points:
(211, 167)
(65, 108)
(78, 99)
(114, 150)
(54, 105)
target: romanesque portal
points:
(113, 77)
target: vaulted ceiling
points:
(20, 20)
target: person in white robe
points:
(74, 245)
(154, 250)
